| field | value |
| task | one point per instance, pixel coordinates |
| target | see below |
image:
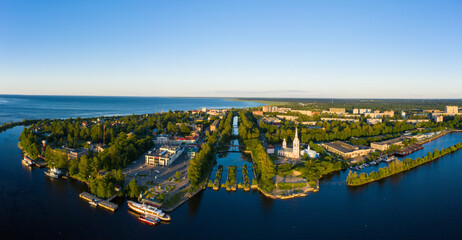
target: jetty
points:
(409, 150)
(40, 164)
(106, 204)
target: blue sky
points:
(352, 49)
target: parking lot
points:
(149, 175)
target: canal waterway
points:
(233, 158)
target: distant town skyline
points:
(280, 49)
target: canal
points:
(423, 203)
(233, 158)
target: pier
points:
(106, 204)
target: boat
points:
(366, 165)
(149, 219)
(93, 203)
(148, 209)
(54, 173)
(27, 161)
(390, 159)
(373, 163)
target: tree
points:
(84, 168)
(74, 167)
(133, 189)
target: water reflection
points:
(194, 203)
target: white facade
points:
(309, 152)
(293, 152)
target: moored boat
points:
(53, 173)
(27, 161)
(390, 159)
(149, 219)
(148, 209)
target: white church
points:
(295, 152)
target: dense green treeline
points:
(216, 183)
(248, 128)
(124, 150)
(29, 143)
(357, 133)
(231, 180)
(311, 170)
(395, 167)
(336, 130)
(263, 165)
(290, 186)
(76, 132)
(25, 122)
(225, 128)
(245, 176)
(199, 167)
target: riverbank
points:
(397, 167)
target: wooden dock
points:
(40, 164)
(106, 204)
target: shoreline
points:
(416, 166)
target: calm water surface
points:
(424, 203)
(19, 107)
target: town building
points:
(287, 117)
(346, 150)
(340, 119)
(310, 153)
(283, 110)
(75, 153)
(163, 156)
(259, 113)
(293, 152)
(437, 118)
(181, 140)
(452, 110)
(99, 147)
(385, 145)
(390, 113)
(270, 120)
(337, 110)
(361, 111)
(214, 125)
(373, 121)
(304, 112)
(270, 149)
(192, 152)
(310, 123)
(161, 139)
(270, 109)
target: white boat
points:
(148, 209)
(391, 159)
(366, 165)
(54, 173)
(27, 161)
(93, 203)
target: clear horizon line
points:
(224, 97)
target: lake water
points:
(19, 107)
(424, 203)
